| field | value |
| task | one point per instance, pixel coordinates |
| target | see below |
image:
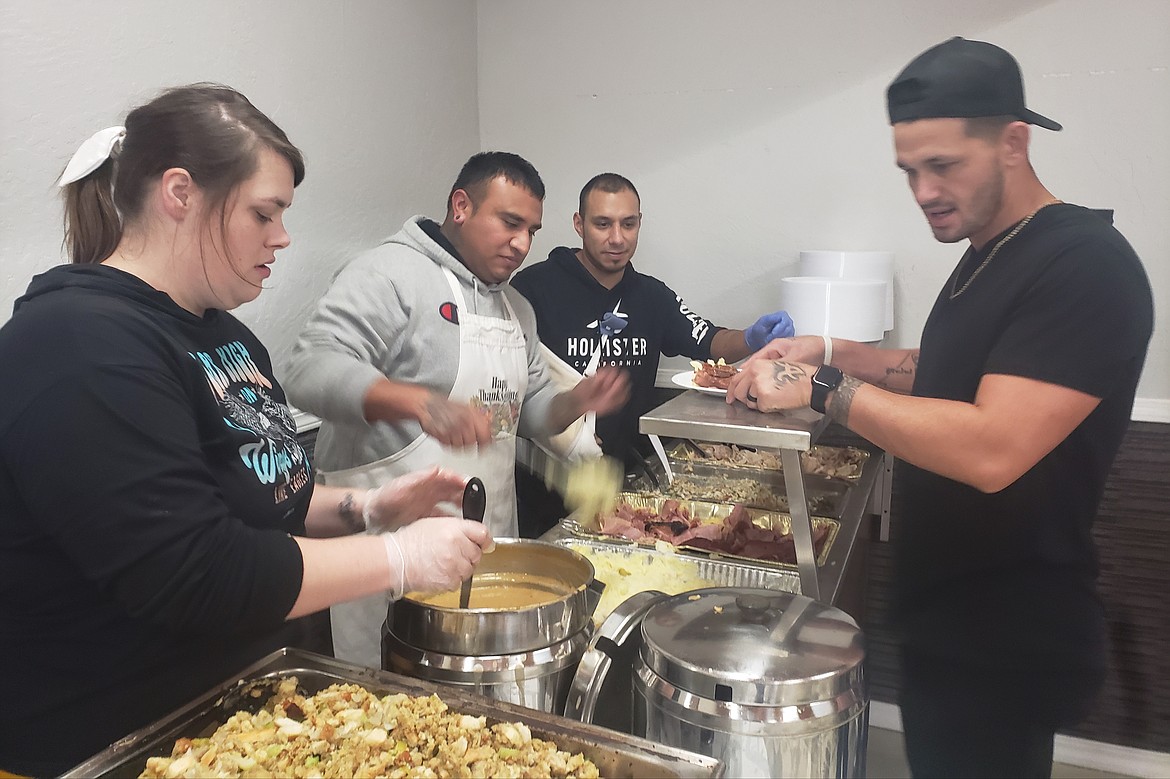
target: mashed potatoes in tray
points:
(627, 573)
(346, 730)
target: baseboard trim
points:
(1068, 750)
(1150, 410)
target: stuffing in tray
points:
(347, 731)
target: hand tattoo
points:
(786, 373)
(842, 400)
(442, 418)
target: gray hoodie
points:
(381, 316)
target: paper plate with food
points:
(709, 376)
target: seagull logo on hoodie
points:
(615, 349)
(612, 323)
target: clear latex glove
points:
(435, 554)
(767, 328)
(405, 499)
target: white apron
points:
(492, 375)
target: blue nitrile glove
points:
(768, 327)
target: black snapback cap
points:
(961, 79)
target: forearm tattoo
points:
(347, 512)
(842, 400)
(907, 367)
(786, 373)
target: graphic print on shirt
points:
(275, 457)
(500, 405)
(699, 325)
(615, 349)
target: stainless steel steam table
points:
(704, 417)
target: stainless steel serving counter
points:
(705, 417)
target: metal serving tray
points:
(723, 572)
(684, 454)
(615, 754)
(702, 480)
(692, 566)
(714, 513)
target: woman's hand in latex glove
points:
(405, 499)
(435, 554)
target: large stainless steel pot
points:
(566, 574)
(538, 679)
(522, 654)
(770, 683)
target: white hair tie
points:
(91, 154)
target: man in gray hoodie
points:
(422, 354)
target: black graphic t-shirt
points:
(633, 324)
(150, 477)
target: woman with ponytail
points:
(159, 526)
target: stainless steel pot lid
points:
(753, 646)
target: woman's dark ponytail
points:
(93, 227)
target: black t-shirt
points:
(1009, 578)
(150, 476)
(570, 305)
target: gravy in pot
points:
(500, 591)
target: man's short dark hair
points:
(607, 182)
(481, 169)
(987, 128)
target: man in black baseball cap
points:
(1004, 423)
(961, 79)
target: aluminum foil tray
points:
(852, 461)
(687, 571)
(763, 489)
(713, 513)
(616, 754)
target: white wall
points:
(380, 96)
(753, 128)
(757, 128)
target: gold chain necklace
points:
(995, 250)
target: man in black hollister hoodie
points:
(592, 301)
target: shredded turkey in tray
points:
(722, 489)
(348, 731)
(829, 461)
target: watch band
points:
(825, 380)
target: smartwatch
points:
(825, 380)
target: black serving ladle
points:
(474, 507)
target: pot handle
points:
(616, 642)
(593, 592)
